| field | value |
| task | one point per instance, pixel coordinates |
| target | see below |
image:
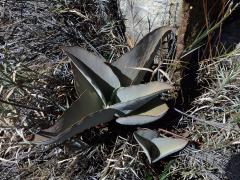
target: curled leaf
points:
(130, 106)
(83, 83)
(141, 56)
(136, 91)
(144, 140)
(156, 147)
(134, 97)
(150, 112)
(95, 68)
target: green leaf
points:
(130, 106)
(150, 112)
(83, 114)
(141, 56)
(143, 137)
(134, 97)
(94, 69)
(83, 84)
(133, 92)
(165, 145)
(168, 146)
(83, 124)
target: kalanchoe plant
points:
(111, 91)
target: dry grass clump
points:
(212, 122)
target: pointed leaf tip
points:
(82, 114)
(141, 56)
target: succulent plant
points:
(111, 91)
(156, 147)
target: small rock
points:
(143, 16)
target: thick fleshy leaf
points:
(95, 68)
(150, 112)
(142, 55)
(156, 147)
(134, 97)
(83, 124)
(133, 92)
(83, 84)
(80, 116)
(130, 106)
(144, 140)
(168, 146)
